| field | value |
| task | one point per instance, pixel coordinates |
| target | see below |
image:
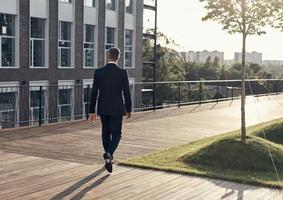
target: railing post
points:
(40, 107)
(258, 89)
(267, 84)
(200, 92)
(217, 88)
(189, 92)
(275, 88)
(232, 91)
(179, 94)
(278, 88)
(153, 97)
(87, 102)
(227, 90)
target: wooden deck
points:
(63, 161)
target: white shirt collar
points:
(110, 62)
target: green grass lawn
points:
(226, 156)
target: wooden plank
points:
(40, 163)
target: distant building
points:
(201, 56)
(56, 45)
(229, 61)
(251, 57)
(272, 62)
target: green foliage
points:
(243, 16)
(167, 60)
(171, 66)
(225, 157)
(208, 71)
(252, 155)
(273, 133)
(276, 20)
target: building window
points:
(86, 98)
(34, 102)
(89, 3)
(110, 39)
(110, 4)
(7, 40)
(65, 44)
(66, 1)
(8, 106)
(129, 6)
(37, 42)
(128, 52)
(65, 102)
(132, 89)
(89, 46)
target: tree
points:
(246, 17)
(168, 62)
(216, 61)
(208, 62)
(167, 69)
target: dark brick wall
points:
(53, 58)
(78, 53)
(24, 74)
(120, 29)
(23, 58)
(101, 33)
(53, 40)
(137, 71)
(52, 74)
(139, 41)
(79, 34)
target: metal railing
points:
(34, 106)
(181, 93)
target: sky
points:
(181, 21)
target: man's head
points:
(113, 54)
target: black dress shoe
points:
(108, 162)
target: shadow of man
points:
(232, 188)
(78, 184)
(240, 194)
(82, 193)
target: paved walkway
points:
(63, 161)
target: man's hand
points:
(128, 114)
(92, 117)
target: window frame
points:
(69, 84)
(65, 1)
(109, 44)
(15, 86)
(86, 83)
(132, 11)
(45, 66)
(14, 37)
(93, 49)
(127, 51)
(93, 4)
(115, 5)
(35, 86)
(132, 84)
(69, 48)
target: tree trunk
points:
(243, 91)
(243, 74)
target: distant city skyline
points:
(251, 57)
(182, 22)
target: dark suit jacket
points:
(110, 84)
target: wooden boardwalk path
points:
(63, 161)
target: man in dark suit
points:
(111, 86)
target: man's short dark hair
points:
(114, 53)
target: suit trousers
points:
(111, 132)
